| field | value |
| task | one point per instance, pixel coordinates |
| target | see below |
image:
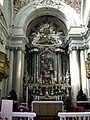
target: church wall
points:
(86, 11)
(28, 13)
(4, 35)
(3, 31)
(8, 11)
(18, 32)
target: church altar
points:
(47, 108)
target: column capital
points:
(20, 39)
(59, 49)
(11, 48)
(72, 48)
(83, 47)
(19, 49)
(7, 47)
(34, 50)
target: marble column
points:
(6, 80)
(55, 69)
(18, 73)
(35, 51)
(37, 68)
(83, 71)
(3, 90)
(87, 81)
(22, 73)
(11, 70)
(35, 65)
(59, 65)
(74, 71)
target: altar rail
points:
(16, 115)
(74, 115)
(7, 113)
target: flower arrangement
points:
(4, 118)
(68, 103)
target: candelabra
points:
(40, 88)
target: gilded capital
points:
(87, 63)
(4, 66)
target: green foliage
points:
(68, 103)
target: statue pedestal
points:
(84, 104)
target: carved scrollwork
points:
(88, 23)
(4, 66)
(87, 63)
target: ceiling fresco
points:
(18, 4)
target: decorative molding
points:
(34, 50)
(83, 47)
(59, 50)
(48, 32)
(49, 2)
(15, 48)
(18, 4)
(78, 48)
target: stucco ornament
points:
(47, 35)
(48, 2)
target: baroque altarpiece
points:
(47, 60)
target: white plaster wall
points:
(1, 2)
(85, 11)
(8, 11)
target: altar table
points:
(47, 108)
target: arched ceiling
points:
(8, 11)
(37, 8)
(2, 17)
(18, 4)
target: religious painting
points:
(46, 67)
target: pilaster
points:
(74, 71)
(77, 68)
(83, 70)
(18, 44)
(18, 73)
(10, 51)
(58, 63)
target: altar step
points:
(47, 118)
